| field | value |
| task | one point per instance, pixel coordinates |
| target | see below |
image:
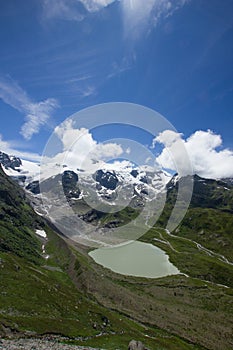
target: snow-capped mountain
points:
(23, 171)
(11, 162)
(104, 190)
(90, 206)
(106, 182)
(93, 197)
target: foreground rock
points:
(136, 345)
(38, 344)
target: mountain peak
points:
(10, 161)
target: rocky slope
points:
(29, 344)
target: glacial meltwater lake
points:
(135, 259)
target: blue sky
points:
(60, 56)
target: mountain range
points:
(50, 285)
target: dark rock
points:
(107, 179)
(69, 183)
(134, 173)
(69, 176)
(15, 162)
(92, 215)
(113, 224)
(144, 179)
(34, 187)
(144, 191)
(10, 161)
(17, 267)
(105, 321)
(110, 196)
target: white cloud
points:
(61, 9)
(36, 114)
(175, 155)
(125, 64)
(167, 137)
(137, 14)
(203, 150)
(4, 145)
(207, 160)
(70, 136)
(8, 147)
(80, 150)
(70, 9)
(87, 91)
(107, 151)
(95, 5)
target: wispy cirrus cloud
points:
(36, 114)
(125, 64)
(62, 9)
(72, 10)
(137, 14)
(10, 148)
(95, 5)
(84, 91)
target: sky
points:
(175, 57)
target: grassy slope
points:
(35, 299)
(189, 259)
(211, 227)
(209, 219)
(17, 222)
(193, 309)
(64, 294)
(40, 296)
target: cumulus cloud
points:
(80, 150)
(204, 151)
(168, 138)
(36, 114)
(174, 156)
(72, 137)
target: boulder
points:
(136, 345)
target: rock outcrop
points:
(136, 345)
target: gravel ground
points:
(38, 344)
